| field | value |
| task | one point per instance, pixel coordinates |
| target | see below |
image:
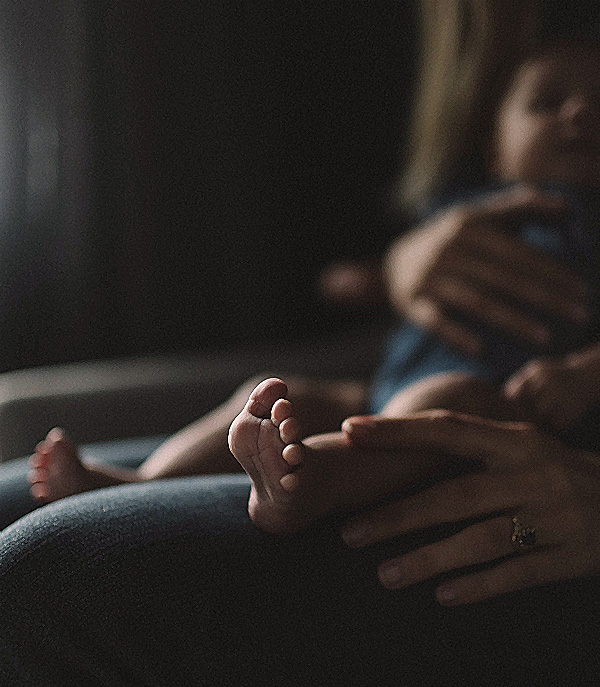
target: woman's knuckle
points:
(484, 586)
(557, 480)
(538, 368)
(483, 539)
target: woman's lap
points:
(168, 583)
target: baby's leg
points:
(296, 482)
(200, 448)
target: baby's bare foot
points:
(264, 439)
(294, 483)
(57, 470)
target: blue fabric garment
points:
(413, 353)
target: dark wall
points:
(238, 148)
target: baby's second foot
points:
(57, 470)
(264, 438)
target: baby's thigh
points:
(457, 391)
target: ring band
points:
(523, 537)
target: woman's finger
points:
(500, 278)
(452, 501)
(540, 566)
(505, 248)
(480, 543)
(481, 304)
(454, 434)
(432, 317)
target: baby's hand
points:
(557, 392)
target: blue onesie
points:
(413, 353)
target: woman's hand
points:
(527, 475)
(557, 392)
(462, 261)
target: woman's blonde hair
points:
(468, 48)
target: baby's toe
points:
(39, 460)
(290, 481)
(36, 475)
(42, 447)
(261, 400)
(281, 410)
(39, 490)
(292, 454)
(289, 431)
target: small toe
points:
(289, 430)
(292, 454)
(290, 481)
(37, 475)
(39, 460)
(282, 409)
(39, 491)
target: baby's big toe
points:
(264, 396)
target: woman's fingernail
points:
(359, 429)
(446, 595)
(389, 575)
(354, 534)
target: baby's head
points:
(548, 122)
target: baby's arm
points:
(558, 392)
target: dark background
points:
(211, 157)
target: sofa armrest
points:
(116, 399)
